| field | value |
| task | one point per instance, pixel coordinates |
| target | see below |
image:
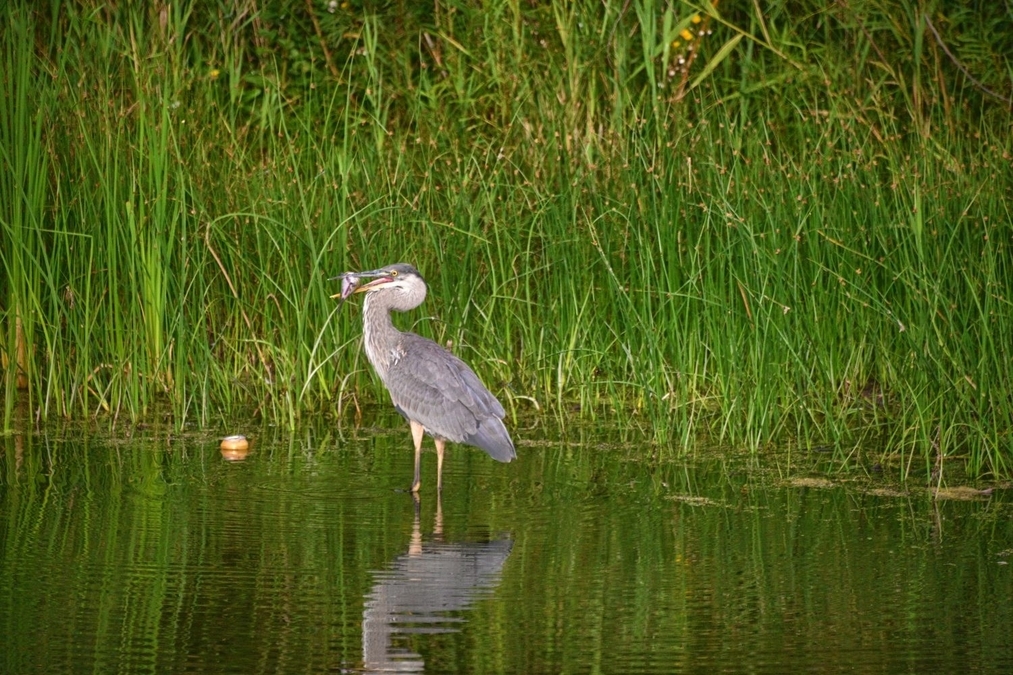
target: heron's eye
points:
(393, 273)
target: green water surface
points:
(135, 552)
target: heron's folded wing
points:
(435, 388)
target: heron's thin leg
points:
(441, 446)
(418, 431)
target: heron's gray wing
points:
(438, 390)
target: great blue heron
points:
(434, 390)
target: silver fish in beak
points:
(349, 282)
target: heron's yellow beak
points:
(375, 283)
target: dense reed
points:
(790, 231)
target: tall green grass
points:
(793, 236)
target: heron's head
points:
(400, 280)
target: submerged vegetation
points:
(790, 227)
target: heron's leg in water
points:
(441, 446)
(418, 431)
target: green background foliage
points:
(771, 225)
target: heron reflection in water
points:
(434, 390)
(426, 591)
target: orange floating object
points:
(235, 448)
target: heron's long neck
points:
(381, 338)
